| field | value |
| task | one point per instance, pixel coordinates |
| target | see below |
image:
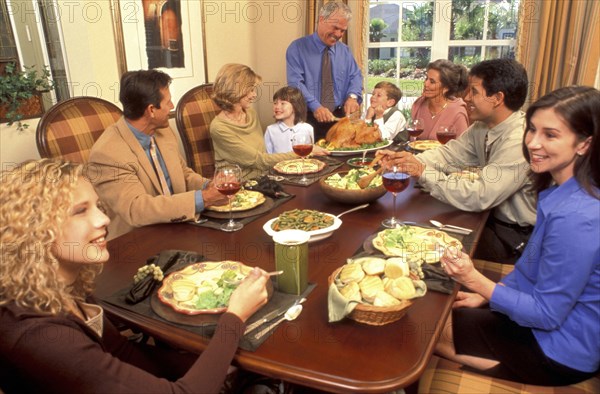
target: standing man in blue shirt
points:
(338, 92)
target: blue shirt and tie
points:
(144, 140)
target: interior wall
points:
(255, 33)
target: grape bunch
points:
(146, 270)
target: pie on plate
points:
(202, 287)
(296, 167)
(424, 144)
(242, 201)
(414, 242)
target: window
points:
(463, 31)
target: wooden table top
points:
(339, 357)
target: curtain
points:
(357, 37)
(558, 43)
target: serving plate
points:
(423, 145)
(357, 151)
(315, 235)
(297, 167)
(198, 275)
(425, 243)
(246, 200)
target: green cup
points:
(291, 257)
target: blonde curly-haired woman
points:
(53, 337)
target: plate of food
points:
(423, 145)
(414, 242)
(202, 287)
(242, 201)
(319, 225)
(352, 136)
(299, 167)
(359, 162)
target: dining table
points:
(344, 356)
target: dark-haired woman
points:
(541, 326)
(441, 103)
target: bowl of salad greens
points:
(343, 186)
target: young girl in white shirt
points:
(289, 110)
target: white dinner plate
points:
(315, 235)
(357, 151)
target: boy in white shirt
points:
(385, 113)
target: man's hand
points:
(468, 300)
(212, 196)
(404, 160)
(351, 106)
(323, 115)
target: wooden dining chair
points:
(195, 110)
(70, 128)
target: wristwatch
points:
(353, 96)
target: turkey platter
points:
(351, 134)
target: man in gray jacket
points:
(492, 146)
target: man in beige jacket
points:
(122, 161)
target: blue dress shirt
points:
(555, 286)
(303, 59)
(144, 140)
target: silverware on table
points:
(272, 315)
(353, 209)
(292, 313)
(450, 227)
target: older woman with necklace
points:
(441, 104)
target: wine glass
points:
(415, 127)
(395, 181)
(302, 144)
(228, 181)
(445, 134)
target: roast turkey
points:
(348, 133)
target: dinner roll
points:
(402, 288)
(396, 267)
(352, 273)
(351, 292)
(372, 265)
(369, 287)
(384, 299)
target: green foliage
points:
(418, 22)
(381, 66)
(376, 29)
(409, 87)
(17, 85)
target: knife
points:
(272, 315)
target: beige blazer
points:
(126, 182)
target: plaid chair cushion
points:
(195, 110)
(70, 128)
(444, 376)
(493, 271)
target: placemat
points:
(331, 164)
(257, 212)
(207, 327)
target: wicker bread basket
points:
(374, 315)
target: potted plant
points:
(20, 93)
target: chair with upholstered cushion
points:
(70, 128)
(444, 376)
(195, 110)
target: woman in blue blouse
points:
(542, 325)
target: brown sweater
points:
(61, 354)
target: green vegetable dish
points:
(302, 219)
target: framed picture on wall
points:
(167, 35)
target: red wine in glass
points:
(229, 188)
(445, 134)
(302, 150)
(415, 128)
(395, 182)
(414, 132)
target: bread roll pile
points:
(379, 281)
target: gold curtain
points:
(359, 35)
(558, 43)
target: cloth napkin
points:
(165, 260)
(338, 306)
(267, 187)
(436, 278)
